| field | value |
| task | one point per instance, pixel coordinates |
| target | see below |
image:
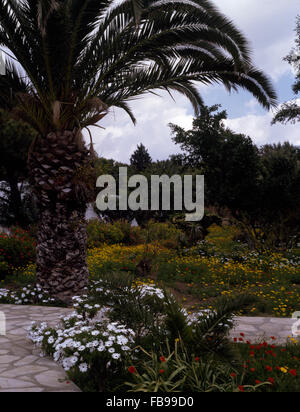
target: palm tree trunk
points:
(61, 253)
(59, 168)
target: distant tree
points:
(228, 160)
(260, 187)
(281, 180)
(140, 160)
(290, 111)
(275, 218)
(15, 140)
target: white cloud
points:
(120, 137)
(261, 131)
(269, 26)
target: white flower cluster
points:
(26, 296)
(150, 290)
(196, 317)
(77, 342)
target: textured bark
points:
(58, 167)
(61, 257)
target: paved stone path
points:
(257, 329)
(21, 367)
(23, 370)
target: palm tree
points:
(79, 58)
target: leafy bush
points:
(117, 318)
(181, 371)
(17, 249)
(165, 233)
(99, 233)
(4, 269)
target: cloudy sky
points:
(269, 25)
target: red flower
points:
(241, 388)
(242, 334)
(271, 380)
(241, 339)
(293, 372)
(269, 369)
(257, 382)
(252, 370)
(132, 369)
(197, 359)
(233, 375)
(235, 339)
(161, 371)
(274, 355)
(162, 359)
(273, 338)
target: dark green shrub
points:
(17, 250)
(100, 233)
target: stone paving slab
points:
(23, 370)
(257, 329)
(21, 367)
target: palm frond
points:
(76, 50)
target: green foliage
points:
(228, 160)
(259, 187)
(265, 361)
(4, 268)
(274, 220)
(223, 240)
(290, 111)
(153, 322)
(100, 233)
(165, 233)
(17, 249)
(121, 231)
(16, 207)
(181, 371)
(73, 49)
(140, 160)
